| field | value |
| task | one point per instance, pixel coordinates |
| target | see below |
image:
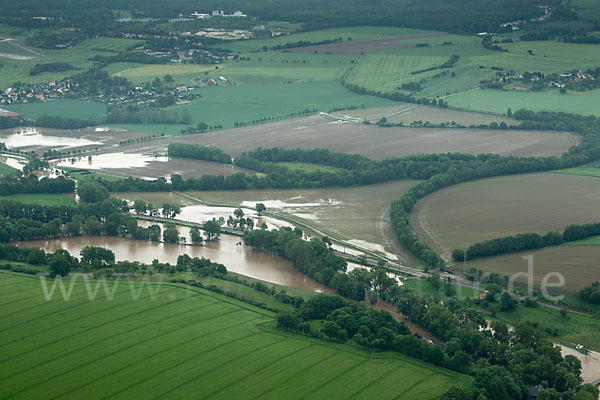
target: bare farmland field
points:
(378, 143)
(578, 264)
(409, 113)
(366, 46)
(149, 166)
(463, 214)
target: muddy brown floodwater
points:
(237, 258)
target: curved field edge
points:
(186, 341)
(463, 214)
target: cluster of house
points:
(217, 13)
(38, 91)
(516, 25)
(566, 79)
(52, 89)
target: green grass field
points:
(50, 199)
(227, 104)
(356, 33)
(62, 107)
(589, 169)
(306, 167)
(183, 343)
(6, 170)
(497, 101)
(111, 44)
(81, 176)
(576, 328)
(386, 72)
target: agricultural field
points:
(75, 109)
(17, 69)
(111, 45)
(354, 214)
(207, 344)
(43, 139)
(50, 199)
(355, 33)
(387, 72)
(466, 213)
(409, 113)
(463, 214)
(578, 264)
(370, 45)
(309, 168)
(589, 169)
(226, 105)
(7, 170)
(149, 166)
(378, 143)
(497, 101)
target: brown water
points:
(590, 364)
(237, 258)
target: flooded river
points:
(237, 258)
(590, 364)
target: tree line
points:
(197, 152)
(526, 241)
(31, 184)
(485, 166)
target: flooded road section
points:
(237, 258)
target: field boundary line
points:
(368, 385)
(190, 358)
(62, 310)
(111, 373)
(411, 387)
(328, 381)
(299, 372)
(256, 371)
(89, 362)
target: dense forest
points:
(470, 16)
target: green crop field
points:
(6, 170)
(589, 169)
(183, 342)
(306, 167)
(356, 33)
(63, 107)
(51, 199)
(497, 101)
(226, 105)
(386, 72)
(111, 44)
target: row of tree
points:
(526, 241)
(197, 152)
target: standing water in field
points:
(30, 137)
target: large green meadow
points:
(62, 107)
(180, 342)
(226, 105)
